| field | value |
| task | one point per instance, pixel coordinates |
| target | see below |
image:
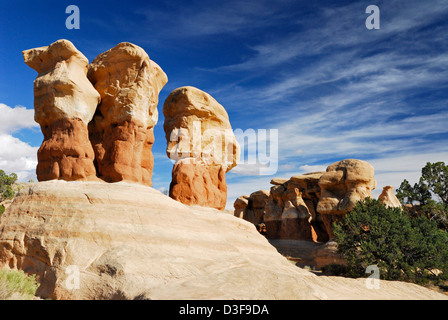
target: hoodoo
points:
(64, 103)
(201, 141)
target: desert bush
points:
(403, 248)
(6, 185)
(16, 285)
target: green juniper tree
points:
(6, 187)
(403, 247)
(429, 196)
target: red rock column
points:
(64, 103)
(201, 185)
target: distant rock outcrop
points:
(122, 128)
(64, 103)
(252, 208)
(290, 212)
(388, 198)
(305, 206)
(342, 185)
(201, 141)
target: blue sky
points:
(311, 69)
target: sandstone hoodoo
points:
(201, 142)
(342, 185)
(389, 198)
(290, 212)
(64, 102)
(252, 208)
(122, 128)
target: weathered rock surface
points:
(388, 197)
(240, 206)
(290, 210)
(194, 184)
(64, 102)
(129, 241)
(199, 134)
(198, 127)
(122, 129)
(341, 186)
(305, 206)
(255, 210)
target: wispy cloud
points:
(335, 90)
(205, 18)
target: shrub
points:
(16, 285)
(403, 248)
(6, 185)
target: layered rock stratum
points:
(97, 119)
(129, 241)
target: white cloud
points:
(13, 119)
(17, 156)
(391, 171)
(312, 168)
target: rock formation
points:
(240, 205)
(201, 141)
(342, 185)
(290, 212)
(252, 208)
(388, 198)
(196, 184)
(64, 102)
(305, 206)
(122, 128)
(75, 238)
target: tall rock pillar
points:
(122, 129)
(201, 142)
(64, 102)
